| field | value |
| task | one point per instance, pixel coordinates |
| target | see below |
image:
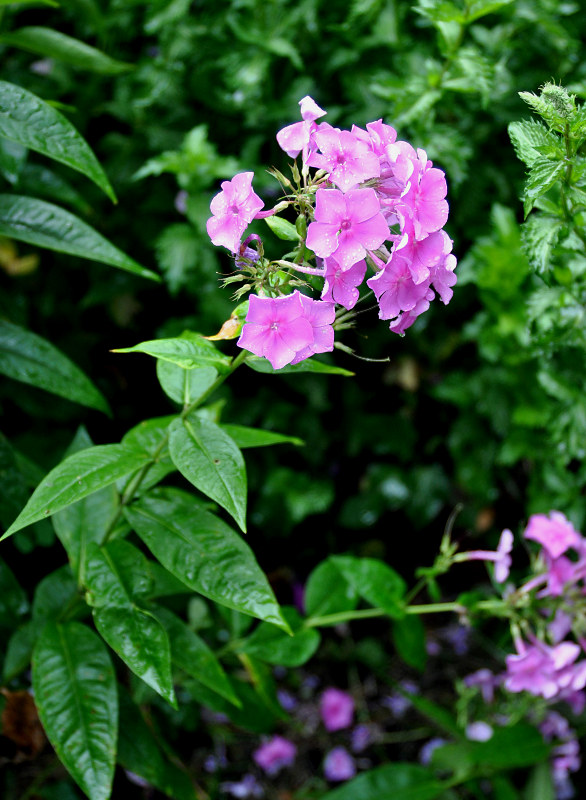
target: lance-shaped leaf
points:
(204, 553)
(54, 44)
(255, 437)
(191, 654)
(76, 477)
(46, 225)
(75, 693)
(375, 581)
(116, 575)
(270, 644)
(27, 357)
(211, 461)
(28, 120)
(190, 350)
(328, 592)
(151, 436)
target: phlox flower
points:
(377, 135)
(233, 210)
(320, 316)
(423, 200)
(395, 288)
(299, 137)
(276, 328)
(339, 765)
(479, 731)
(275, 754)
(407, 318)
(545, 671)
(346, 225)
(554, 532)
(336, 709)
(501, 557)
(348, 160)
(340, 285)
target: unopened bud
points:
(301, 226)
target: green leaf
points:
(309, 365)
(53, 44)
(148, 436)
(12, 160)
(283, 228)
(440, 11)
(528, 136)
(211, 461)
(46, 225)
(19, 650)
(542, 176)
(139, 752)
(191, 654)
(76, 477)
(27, 357)
(13, 601)
(539, 235)
(39, 180)
(540, 784)
(190, 350)
(14, 486)
(273, 645)
(328, 592)
(391, 782)
(255, 437)
(203, 552)
(28, 120)
(480, 8)
(374, 581)
(184, 386)
(56, 593)
(409, 639)
(117, 575)
(253, 715)
(75, 694)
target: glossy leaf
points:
(309, 365)
(148, 436)
(184, 386)
(75, 693)
(283, 228)
(191, 654)
(204, 553)
(77, 477)
(374, 581)
(31, 359)
(13, 601)
(19, 650)
(188, 351)
(116, 576)
(328, 592)
(256, 437)
(273, 645)
(12, 160)
(28, 120)
(391, 782)
(211, 461)
(46, 225)
(54, 44)
(139, 752)
(54, 595)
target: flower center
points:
(274, 326)
(345, 225)
(234, 209)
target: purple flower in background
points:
(479, 731)
(276, 328)
(426, 751)
(336, 709)
(396, 702)
(346, 225)
(339, 765)
(275, 754)
(554, 532)
(247, 787)
(233, 210)
(286, 700)
(486, 682)
(362, 737)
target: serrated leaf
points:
(31, 359)
(309, 365)
(28, 120)
(542, 175)
(374, 581)
(255, 437)
(211, 461)
(46, 225)
(203, 552)
(77, 477)
(527, 136)
(191, 654)
(75, 694)
(283, 228)
(54, 44)
(328, 592)
(391, 782)
(188, 351)
(539, 236)
(139, 752)
(184, 386)
(116, 576)
(274, 646)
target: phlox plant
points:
(154, 559)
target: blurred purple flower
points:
(275, 754)
(247, 787)
(426, 751)
(363, 736)
(339, 765)
(336, 709)
(287, 700)
(479, 731)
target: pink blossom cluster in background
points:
(374, 202)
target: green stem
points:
(135, 483)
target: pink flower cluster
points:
(377, 201)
